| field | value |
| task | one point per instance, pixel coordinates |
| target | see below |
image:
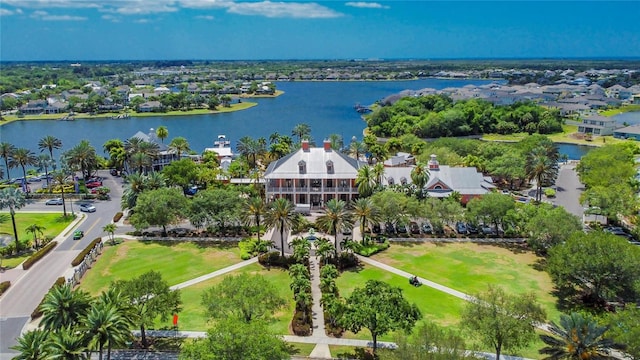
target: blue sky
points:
(231, 29)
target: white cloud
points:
(111, 18)
(143, 21)
(366, 5)
(18, 11)
(205, 17)
(43, 15)
(5, 12)
(55, 3)
(283, 9)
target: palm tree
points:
(106, 325)
(179, 145)
(66, 343)
(420, 178)
(49, 143)
(44, 161)
(324, 249)
(12, 199)
(366, 181)
(162, 133)
(378, 173)
(82, 157)
(6, 151)
(356, 148)
(32, 345)
(60, 178)
(301, 130)
(578, 338)
(282, 216)
(255, 208)
(23, 157)
(541, 167)
(63, 307)
(336, 217)
(154, 181)
(367, 213)
(135, 184)
(35, 229)
(304, 300)
(110, 229)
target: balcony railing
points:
(312, 189)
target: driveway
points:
(569, 190)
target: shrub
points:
(275, 259)
(4, 286)
(117, 216)
(373, 248)
(78, 259)
(248, 248)
(299, 327)
(38, 255)
(37, 312)
(549, 193)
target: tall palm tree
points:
(336, 217)
(356, 148)
(420, 178)
(23, 157)
(281, 215)
(367, 213)
(302, 131)
(82, 157)
(63, 307)
(541, 167)
(150, 149)
(162, 133)
(44, 162)
(49, 143)
(66, 343)
(179, 145)
(255, 209)
(578, 338)
(6, 151)
(60, 178)
(366, 181)
(35, 229)
(12, 199)
(110, 229)
(135, 184)
(154, 181)
(32, 345)
(378, 173)
(106, 325)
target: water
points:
(326, 106)
(631, 118)
(573, 151)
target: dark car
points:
(472, 228)
(191, 190)
(488, 230)
(461, 228)
(414, 227)
(376, 229)
(389, 228)
(78, 234)
(401, 228)
(178, 232)
(426, 228)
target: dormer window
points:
(330, 167)
(302, 167)
(403, 181)
(390, 181)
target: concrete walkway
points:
(322, 349)
(215, 273)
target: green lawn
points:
(620, 110)
(177, 262)
(54, 224)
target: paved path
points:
(322, 349)
(215, 273)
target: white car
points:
(87, 208)
(57, 201)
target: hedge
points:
(372, 248)
(275, 259)
(78, 260)
(117, 216)
(38, 255)
(37, 312)
(4, 286)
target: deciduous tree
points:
(159, 207)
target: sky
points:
(76, 30)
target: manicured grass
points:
(563, 137)
(469, 268)
(53, 224)
(620, 110)
(177, 262)
(302, 349)
(193, 317)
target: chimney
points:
(305, 145)
(433, 163)
(327, 145)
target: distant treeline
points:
(435, 116)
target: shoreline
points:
(114, 116)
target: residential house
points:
(312, 176)
(222, 147)
(150, 106)
(165, 156)
(597, 125)
(629, 132)
(444, 180)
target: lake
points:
(326, 106)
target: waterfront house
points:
(164, 157)
(150, 106)
(312, 176)
(597, 125)
(222, 147)
(629, 132)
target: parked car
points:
(426, 228)
(56, 201)
(389, 228)
(87, 208)
(93, 184)
(472, 229)
(488, 230)
(191, 190)
(179, 232)
(401, 228)
(414, 227)
(347, 231)
(461, 228)
(78, 234)
(376, 229)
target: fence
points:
(85, 265)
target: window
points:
(302, 167)
(302, 183)
(437, 187)
(403, 181)
(390, 181)
(330, 167)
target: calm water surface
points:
(326, 106)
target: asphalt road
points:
(568, 190)
(29, 287)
